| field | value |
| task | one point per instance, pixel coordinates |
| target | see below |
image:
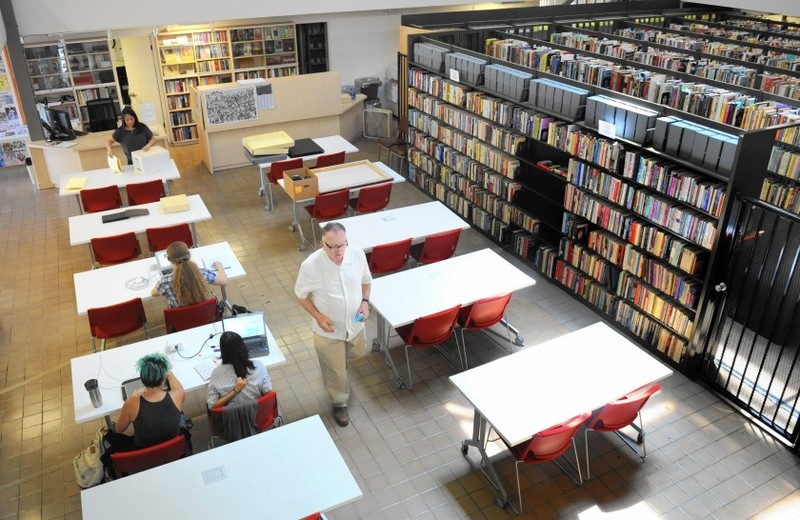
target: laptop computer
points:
(165, 266)
(251, 328)
(130, 386)
(303, 147)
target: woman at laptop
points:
(238, 379)
(187, 284)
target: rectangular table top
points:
(113, 366)
(405, 296)
(543, 385)
(105, 177)
(354, 187)
(83, 228)
(122, 282)
(329, 144)
(284, 473)
(415, 222)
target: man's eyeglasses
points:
(335, 248)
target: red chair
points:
(266, 417)
(438, 247)
(276, 170)
(182, 318)
(315, 516)
(129, 462)
(100, 199)
(116, 320)
(480, 316)
(159, 238)
(372, 198)
(429, 331)
(144, 192)
(618, 414)
(548, 445)
(330, 159)
(327, 206)
(386, 258)
(115, 249)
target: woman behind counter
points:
(238, 379)
(133, 135)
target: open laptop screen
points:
(250, 325)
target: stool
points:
(398, 159)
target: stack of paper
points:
(271, 143)
(75, 183)
(174, 204)
(115, 164)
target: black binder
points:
(303, 147)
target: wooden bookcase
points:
(67, 74)
(190, 59)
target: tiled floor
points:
(705, 460)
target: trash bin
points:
(31, 173)
(368, 87)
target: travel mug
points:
(94, 392)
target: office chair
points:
(327, 206)
(159, 238)
(546, 446)
(330, 159)
(182, 318)
(429, 331)
(266, 417)
(480, 316)
(372, 198)
(386, 258)
(116, 320)
(437, 247)
(129, 462)
(618, 414)
(144, 192)
(276, 170)
(115, 249)
(100, 199)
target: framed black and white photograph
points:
(230, 105)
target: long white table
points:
(415, 222)
(329, 144)
(114, 366)
(83, 228)
(284, 473)
(105, 177)
(110, 285)
(329, 183)
(400, 298)
(576, 373)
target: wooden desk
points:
(561, 378)
(329, 144)
(87, 153)
(415, 222)
(114, 366)
(284, 473)
(83, 228)
(402, 297)
(108, 285)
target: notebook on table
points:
(303, 147)
(122, 215)
(252, 329)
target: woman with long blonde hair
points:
(187, 284)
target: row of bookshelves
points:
(181, 118)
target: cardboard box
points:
(301, 183)
(156, 159)
(174, 204)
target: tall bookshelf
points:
(629, 229)
(212, 57)
(66, 75)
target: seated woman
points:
(187, 284)
(238, 379)
(154, 412)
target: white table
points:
(83, 228)
(112, 367)
(284, 473)
(576, 373)
(400, 298)
(415, 222)
(107, 285)
(329, 144)
(105, 177)
(328, 184)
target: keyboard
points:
(257, 346)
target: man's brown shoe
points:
(341, 416)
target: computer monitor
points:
(61, 124)
(102, 114)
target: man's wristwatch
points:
(365, 300)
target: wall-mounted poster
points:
(230, 105)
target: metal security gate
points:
(752, 356)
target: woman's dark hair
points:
(234, 352)
(137, 126)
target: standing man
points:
(333, 287)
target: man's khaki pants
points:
(333, 355)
